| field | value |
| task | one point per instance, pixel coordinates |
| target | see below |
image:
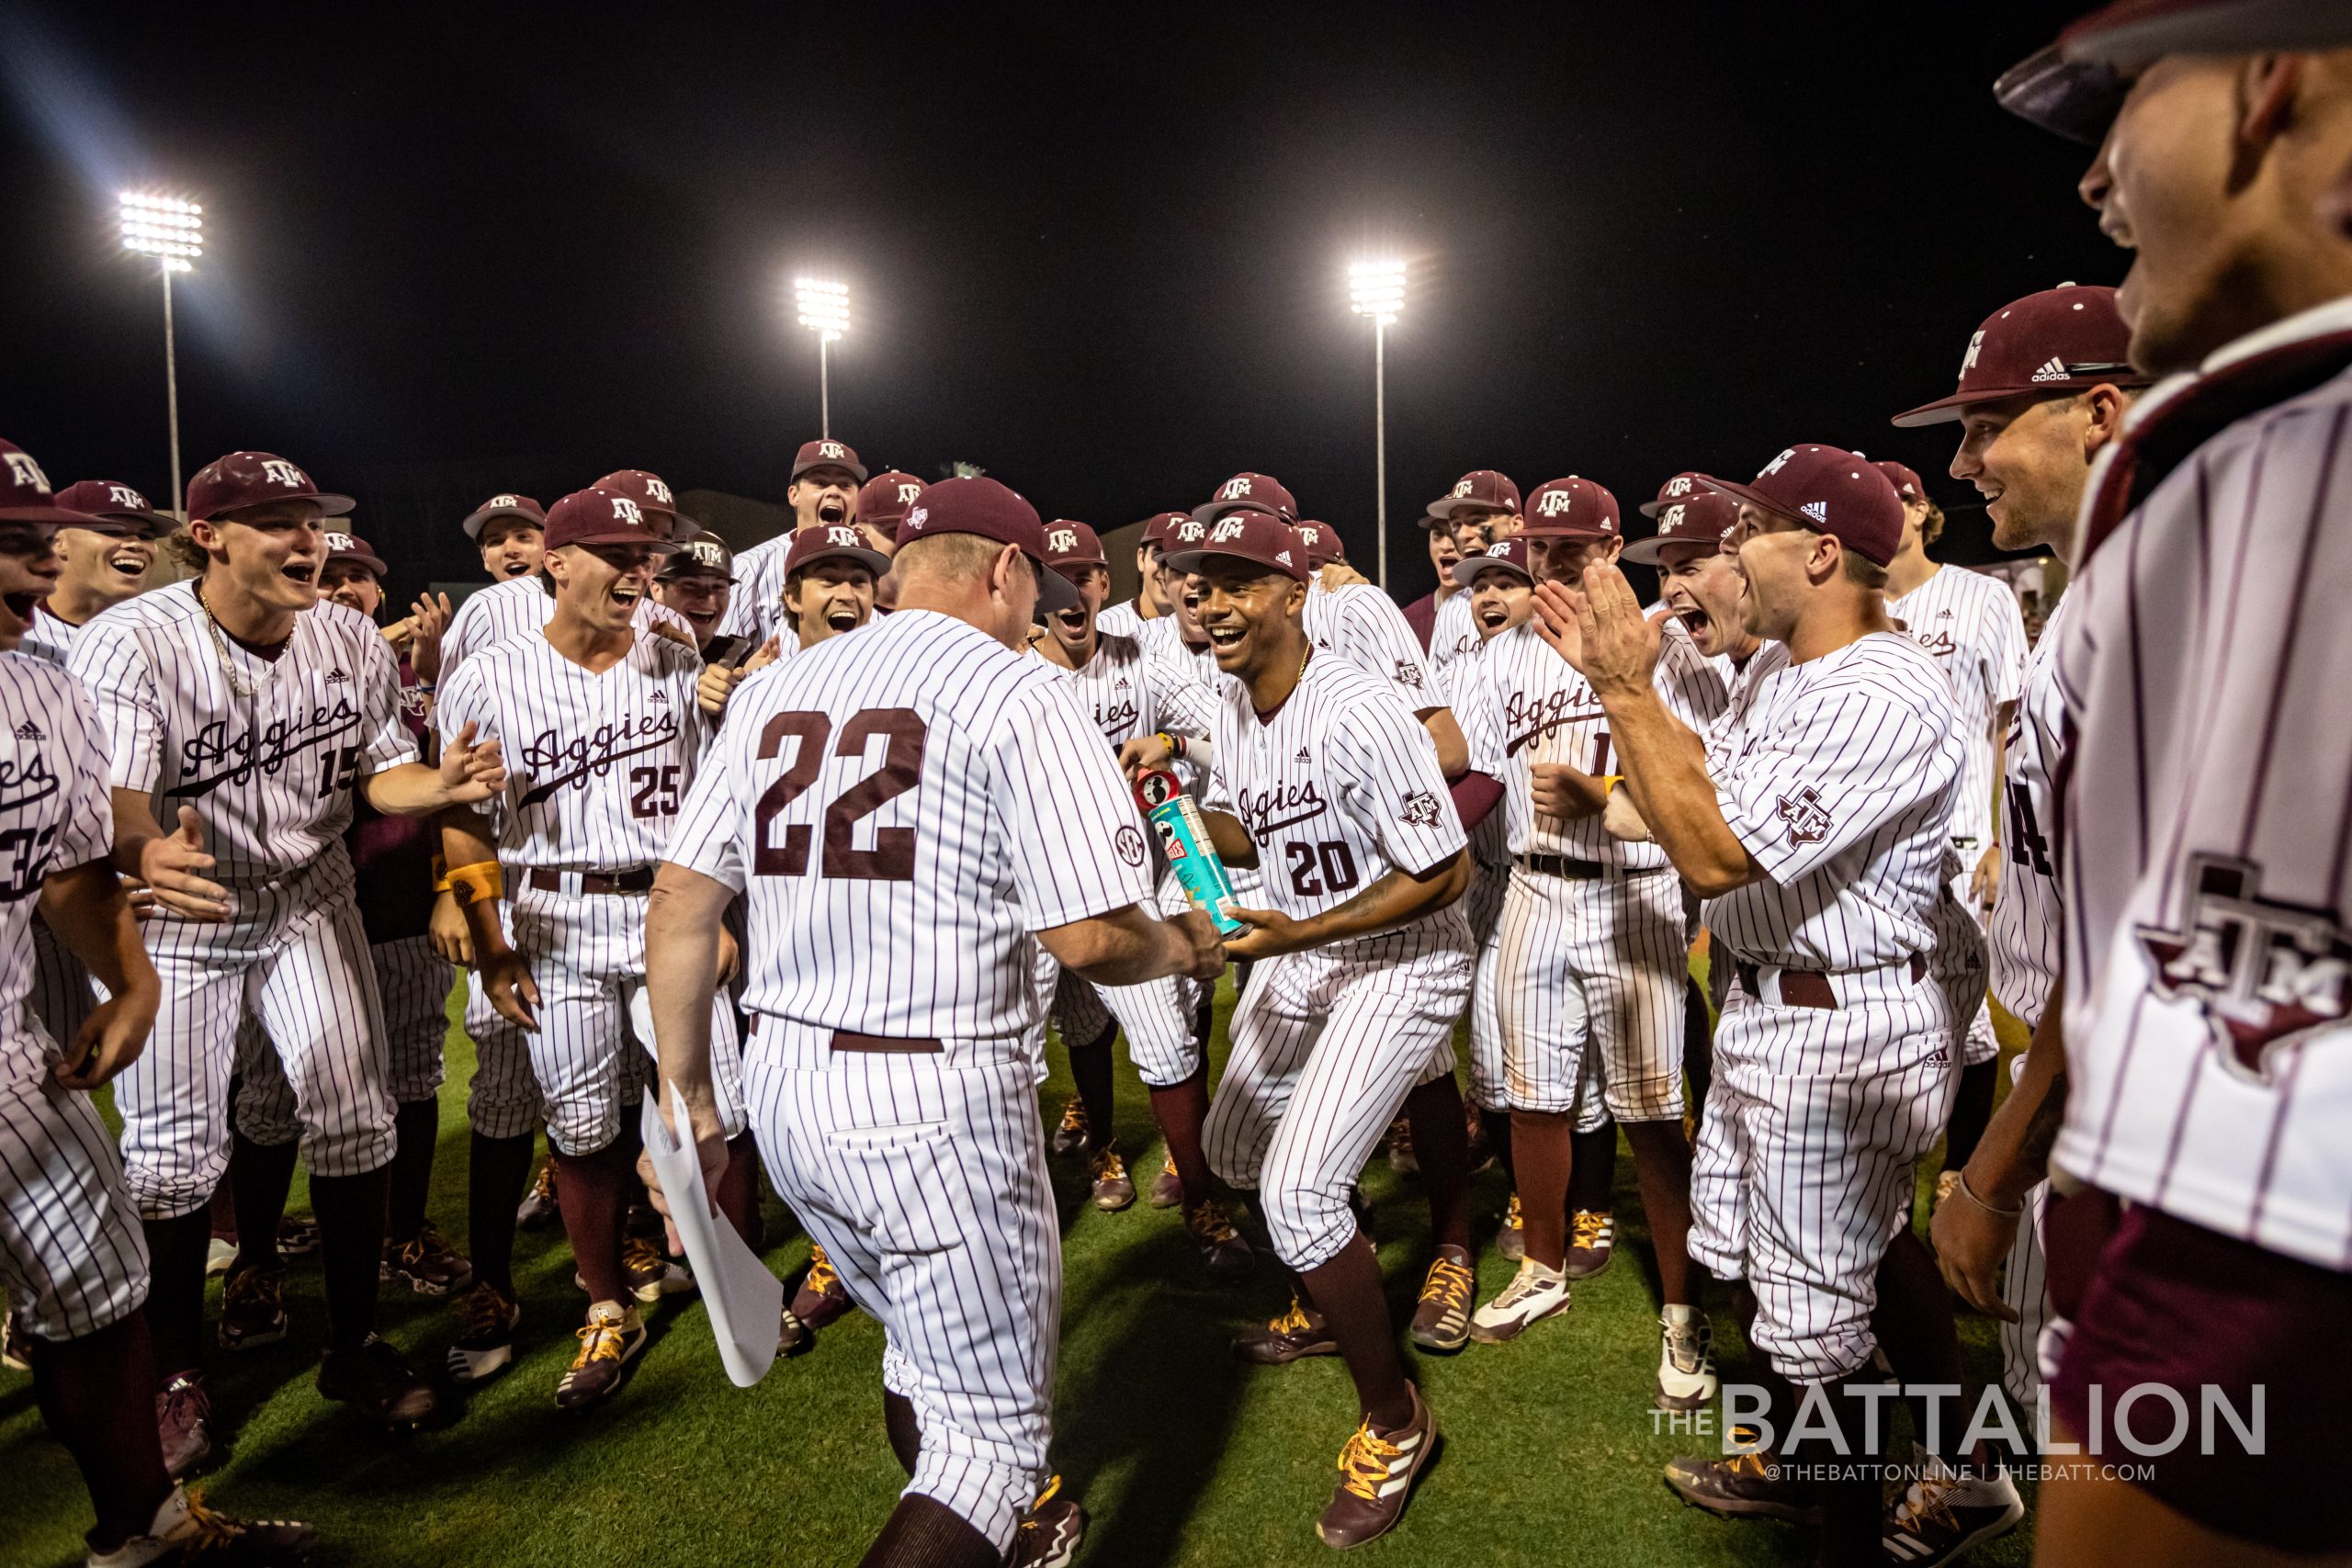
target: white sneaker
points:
(1535, 1292)
(1942, 1515)
(1686, 1359)
(185, 1529)
(220, 1255)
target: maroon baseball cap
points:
(1159, 528)
(601, 516)
(1830, 490)
(702, 555)
(1681, 487)
(826, 454)
(351, 547)
(1429, 519)
(1257, 492)
(832, 541)
(649, 493)
(25, 495)
(1480, 490)
(1703, 517)
(1251, 534)
(2061, 341)
(1903, 477)
(116, 505)
(885, 497)
(1572, 508)
(1069, 543)
(2074, 86)
(980, 505)
(254, 478)
(1507, 554)
(521, 506)
(1322, 542)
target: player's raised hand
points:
(1558, 620)
(513, 994)
(1972, 1242)
(427, 619)
(767, 653)
(470, 773)
(173, 865)
(1144, 754)
(109, 1040)
(1271, 932)
(1984, 882)
(1339, 574)
(1620, 643)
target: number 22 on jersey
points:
(892, 857)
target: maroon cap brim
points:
(874, 562)
(620, 537)
(1943, 411)
(2075, 100)
(1055, 592)
(328, 505)
(1190, 561)
(476, 522)
(1647, 551)
(857, 468)
(1445, 506)
(53, 518)
(370, 562)
(1465, 571)
(1216, 509)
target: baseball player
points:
(1972, 624)
(1153, 600)
(1590, 953)
(696, 581)
(1482, 507)
(1328, 785)
(2027, 445)
(72, 1261)
(1816, 823)
(1421, 613)
(510, 531)
(1132, 696)
(970, 811)
(607, 738)
(882, 501)
(2204, 795)
(252, 715)
(823, 493)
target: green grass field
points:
(1181, 1454)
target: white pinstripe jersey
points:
(56, 814)
(1121, 619)
(597, 764)
(1163, 644)
(1130, 694)
(2205, 836)
(48, 638)
(1337, 788)
(520, 607)
(906, 806)
(1453, 632)
(1838, 776)
(1363, 626)
(755, 609)
(1970, 623)
(2024, 936)
(271, 774)
(1519, 702)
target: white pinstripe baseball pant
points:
(1482, 906)
(1155, 1016)
(299, 962)
(63, 993)
(1960, 963)
(502, 1099)
(586, 953)
(71, 1255)
(1804, 1172)
(1594, 967)
(413, 983)
(924, 1178)
(1326, 1044)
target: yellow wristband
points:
(478, 881)
(1609, 782)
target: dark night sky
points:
(1100, 252)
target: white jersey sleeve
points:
(85, 816)
(114, 670)
(1364, 626)
(756, 606)
(2024, 936)
(1066, 814)
(1390, 781)
(387, 741)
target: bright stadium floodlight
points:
(170, 229)
(824, 309)
(1376, 289)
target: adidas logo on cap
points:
(2051, 369)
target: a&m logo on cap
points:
(26, 471)
(830, 449)
(1190, 532)
(339, 544)
(907, 492)
(1681, 484)
(1462, 487)
(1555, 502)
(278, 471)
(1500, 548)
(626, 509)
(657, 490)
(1774, 466)
(1228, 529)
(123, 495)
(1670, 518)
(1975, 347)
(499, 501)
(1062, 539)
(1234, 488)
(707, 551)
(845, 537)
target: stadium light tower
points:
(824, 309)
(1376, 289)
(172, 231)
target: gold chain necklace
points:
(237, 683)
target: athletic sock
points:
(1182, 1110)
(596, 1189)
(923, 1532)
(97, 1396)
(260, 1178)
(1441, 1144)
(497, 1175)
(1090, 1070)
(350, 1210)
(416, 1126)
(1347, 1291)
(176, 1249)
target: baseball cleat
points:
(296, 1238)
(220, 1255)
(1050, 1532)
(1113, 1189)
(1510, 1236)
(650, 1275)
(183, 1530)
(252, 1308)
(1377, 1474)
(614, 1335)
(1442, 1321)
(822, 1297)
(1401, 1158)
(792, 1336)
(1533, 1294)
(1742, 1486)
(426, 1260)
(1686, 1361)
(1282, 1340)
(487, 1318)
(1592, 1242)
(1224, 1251)
(16, 1346)
(378, 1380)
(183, 1424)
(1071, 1135)
(1167, 1188)
(1944, 1513)
(538, 1206)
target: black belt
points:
(636, 879)
(1808, 987)
(876, 1045)
(1582, 870)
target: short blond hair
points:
(184, 553)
